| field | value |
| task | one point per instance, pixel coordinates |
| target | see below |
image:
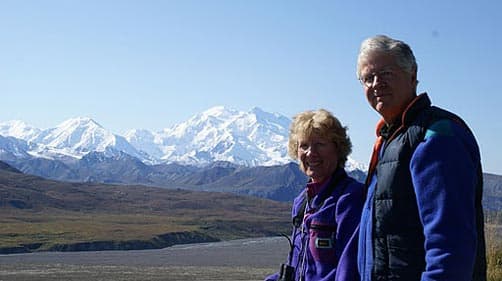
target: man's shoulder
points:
(441, 122)
(442, 127)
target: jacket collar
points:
(416, 106)
(421, 102)
(328, 187)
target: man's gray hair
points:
(384, 44)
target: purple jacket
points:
(325, 245)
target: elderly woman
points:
(326, 213)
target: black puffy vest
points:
(397, 231)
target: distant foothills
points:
(38, 214)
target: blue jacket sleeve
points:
(444, 173)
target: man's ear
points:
(414, 78)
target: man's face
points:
(388, 88)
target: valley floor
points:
(246, 259)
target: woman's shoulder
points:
(347, 189)
(353, 190)
(353, 185)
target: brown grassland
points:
(48, 213)
(62, 228)
(493, 234)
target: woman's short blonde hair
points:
(323, 124)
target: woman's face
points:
(318, 157)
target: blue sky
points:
(151, 64)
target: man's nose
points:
(377, 80)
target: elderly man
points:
(423, 218)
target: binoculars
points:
(287, 273)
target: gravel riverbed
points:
(246, 259)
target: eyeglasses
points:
(369, 80)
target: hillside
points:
(492, 197)
(38, 214)
(278, 182)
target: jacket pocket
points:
(406, 255)
(322, 243)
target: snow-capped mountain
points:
(74, 138)
(18, 129)
(252, 138)
(220, 134)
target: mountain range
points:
(253, 138)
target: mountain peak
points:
(214, 110)
(18, 129)
(80, 122)
(78, 136)
(256, 110)
(219, 112)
